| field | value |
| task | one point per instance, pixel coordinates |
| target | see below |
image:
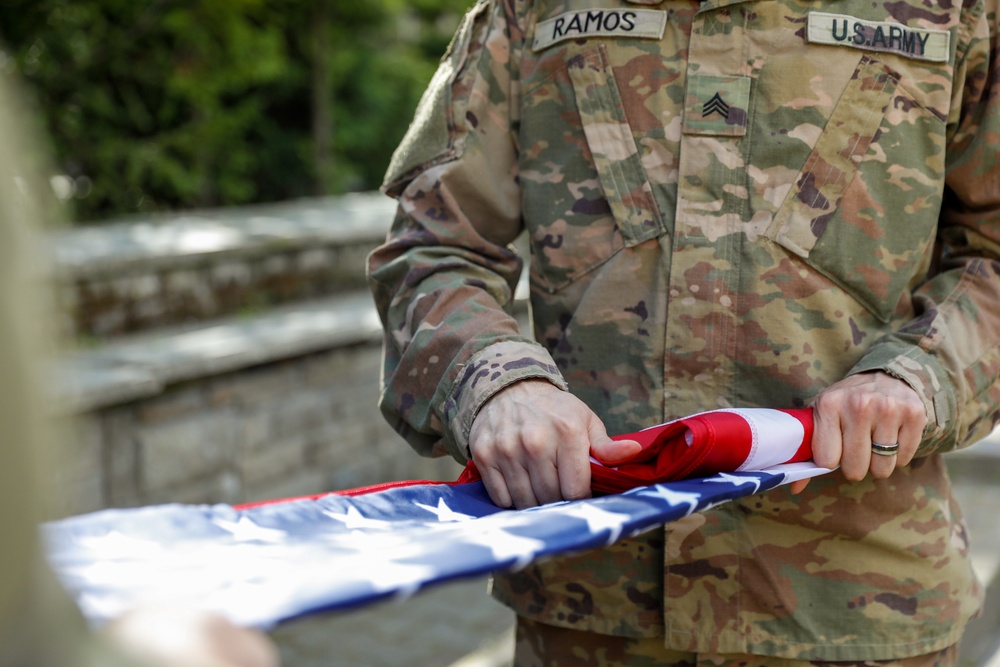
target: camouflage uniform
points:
(728, 204)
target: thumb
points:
(798, 486)
(611, 451)
(616, 451)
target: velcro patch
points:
(716, 105)
(637, 23)
(885, 36)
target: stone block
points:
(176, 403)
(188, 448)
(360, 473)
(302, 411)
(253, 387)
(283, 458)
(77, 468)
(121, 460)
(223, 486)
(141, 287)
(232, 272)
(339, 445)
(316, 259)
(308, 483)
(254, 431)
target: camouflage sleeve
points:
(444, 279)
(951, 352)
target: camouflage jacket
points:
(727, 204)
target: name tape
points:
(637, 23)
(842, 30)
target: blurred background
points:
(217, 163)
(166, 105)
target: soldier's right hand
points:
(532, 444)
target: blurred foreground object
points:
(38, 624)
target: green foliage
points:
(165, 104)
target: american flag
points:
(264, 564)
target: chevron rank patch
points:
(717, 105)
(884, 36)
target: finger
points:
(574, 473)
(883, 464)
(545, 483)
(857, 446)
(909, 441)
(827, 442)
(574, 460)
(615, 451)
(799, 486)
(537, 456)
(496, 486)
(519, 484)
(911, 432)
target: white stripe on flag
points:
(776, 437)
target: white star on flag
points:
(246, 530)
(597, 519)
(674, 498)
(122, 546)
(726, 478)
(354, 520)
(387, 574)
(492, 532)
(443, 512)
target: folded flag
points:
(269, 562)
(704, 444)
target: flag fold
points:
(263, 564)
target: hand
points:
(532, 444)
(175, 637)
(857, 411)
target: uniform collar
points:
(706, 5)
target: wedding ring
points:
(885, 450)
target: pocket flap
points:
(615, 153)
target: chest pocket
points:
(586, 193)
(613, 148)
(864, 208)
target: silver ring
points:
(885, 450)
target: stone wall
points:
(144, 274)
(219, 386)
(296, 426)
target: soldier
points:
(728, 203)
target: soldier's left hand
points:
(860, 410)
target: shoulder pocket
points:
(431, 137)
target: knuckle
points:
(534, 443)
(825, 460)
(576, 489)
(862, 403)
(503, 450)
(915, 413)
